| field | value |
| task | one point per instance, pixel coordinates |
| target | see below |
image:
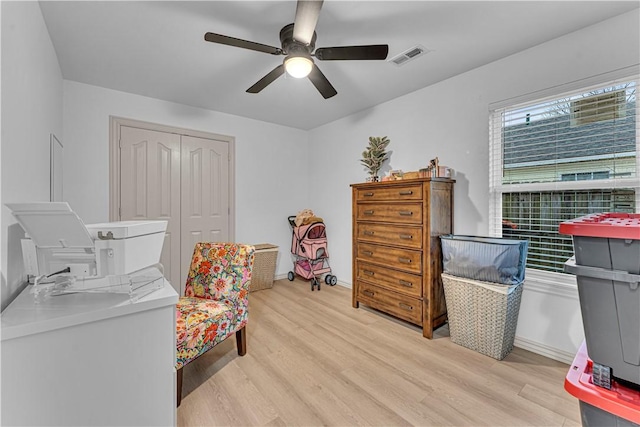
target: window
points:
(559, 158)
(582, 176)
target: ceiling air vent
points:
(408, 55)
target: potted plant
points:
(375, 155)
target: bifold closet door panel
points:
(150, 188)
(204, 194)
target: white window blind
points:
(560, 158)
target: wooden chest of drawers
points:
(396, 250)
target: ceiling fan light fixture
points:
(298, 66)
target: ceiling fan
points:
(298, 43)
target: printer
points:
(58, 241)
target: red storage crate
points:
(607, 269)
(619, 406)
(607, 225)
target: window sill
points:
(547, 282)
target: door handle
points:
(405, 213)
(368, 293)
(368, 233)
(405, 283)
(406, 193)
(406, 236)
(368, 212)
(369, 194)
(405, 306)
(404, 260)
(368, 272)
(369, 253)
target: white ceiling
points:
(157, 49)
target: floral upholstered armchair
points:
(215, 303)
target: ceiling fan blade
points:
(245, 44)
(374, 51)
(267, 80)
(321, 83)
(307, 13)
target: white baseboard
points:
(544, 350)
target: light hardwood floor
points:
(312, 359)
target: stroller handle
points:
(292, 220)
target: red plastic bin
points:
(598, 406)
(606, 225)
(607, 270)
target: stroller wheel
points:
(333, 281)
(291, 276)
(327, 279)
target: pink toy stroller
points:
(309, 249)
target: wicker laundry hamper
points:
(264, 267)
(482, 315)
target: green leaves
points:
(375, 154)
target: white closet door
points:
(205, 194)
(150, 188)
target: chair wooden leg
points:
(241, 340)
(179, 391)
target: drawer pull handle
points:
(405, 306)
(369, 194)
(369, 253)
(368, 233)
(368, 293)
(368, 272)
(406, 236)
(405, 283)
(368, 212)
(404, 260)
(404, 213)
(406, 193)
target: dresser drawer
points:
(402, 306)
(396, 192)
(400, 235)
(406, 213)
(403, 259)
(398, 281)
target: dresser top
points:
(401, 182)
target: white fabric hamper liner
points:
(482, 315)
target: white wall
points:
(2, 234)
(450, 120)
(31, 111)
(271, 168)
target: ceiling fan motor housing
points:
(291, 46)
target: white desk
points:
(89, 359)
